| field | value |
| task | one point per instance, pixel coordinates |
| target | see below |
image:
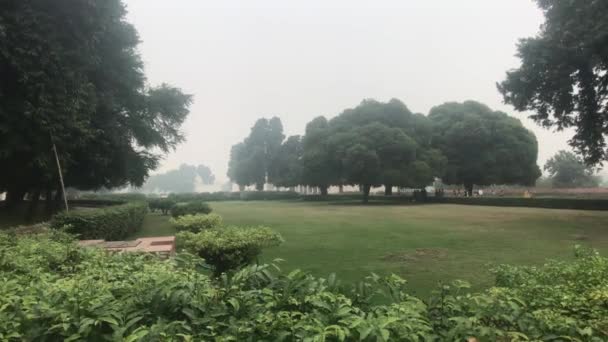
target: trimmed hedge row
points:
(235, 196)
(94, 203)
(190, 208)
(552, 203)
(122, 197)
(111, 223)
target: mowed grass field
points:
(425, 244)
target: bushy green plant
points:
(190, 208)
(53, 290)
(196, 223)
(235, 196)
(229, 248)
(123, 197)
(552, 203)
(110, 223)
(164, 205)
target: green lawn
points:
(424, 243)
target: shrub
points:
(190, 208)
(110, 223)
(551, 203)
(229, 248)
(196, 223)
(53, 290)
(235, 196)
(122, 197)
(162, 204)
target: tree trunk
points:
(468, 189)
(366, 189)
(33, 206)
(323, 190)
(388, 190)
(341, 188)
(259, 186)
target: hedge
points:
(552, 203)
(123, 197)
(236, 196)
(196, 223)
(111, 223)
(53, 290)
(190, 208)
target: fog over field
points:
(299, 59)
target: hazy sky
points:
(247, 59)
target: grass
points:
(425, 244)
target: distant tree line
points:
(385, 144)
(179, 180)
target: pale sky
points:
(246, 59)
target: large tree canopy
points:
(286, 169)
(71, 76)
(372, 144)
(564, 74)
(251, 160)
(483, 147)
(569, 171)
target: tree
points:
(319, 167)
(483, 147)
(286, 169)
(251, 161)
(563, 77)
(72, 78)
(207, 177)
(181, 180)
(399, 139)
(569, 171)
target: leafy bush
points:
(162, 204)
(121, 197)
(53, 290)
(110, 223)
(94, 203)
(551, 203)
(229, 248)
(190, 208)
(235, 196)
(196, 223)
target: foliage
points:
(235, 196)
(319, 167)
(563, 77)
(72, 76)
(286, 170)
(251, 160)
(228, 248)
(163, 204)
(483, 147)
(372, 144)
(569, 171)
(181, 180)
(55, 290)
(110, 223)
(197, 223)
(113, 196)
(551, 203)
(190, 208)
